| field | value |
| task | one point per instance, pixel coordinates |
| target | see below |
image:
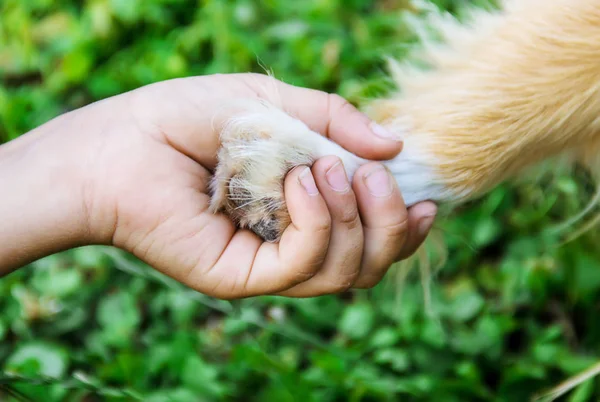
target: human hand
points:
(133, 171)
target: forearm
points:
(42, 203)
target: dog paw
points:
(258, 148)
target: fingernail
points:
(307, 181)
(337, 179)
(383, 132)
(379, 182)
(425, 224)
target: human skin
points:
(132, 171)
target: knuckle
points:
(348, 216)
(368, 282)
(333, 284)
(340, 287)
(322, 227)
(348, 274)
(398, 228)
(339, 103)
(305, 273)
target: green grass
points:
(513, 312)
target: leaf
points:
(486, 231)
(58, 282)
(546, 352)
(90, 256)
(119, 317)
(201, 376)
(175, 395)
(38, 358)
(583, 392)
(465, 306)
(126, 10)
(587, 274)
(433, 334)
(357, 320)
(397, 358)
(383, 337)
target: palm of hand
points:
(154, 169)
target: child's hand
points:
(132, 171)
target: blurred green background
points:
(512, 313)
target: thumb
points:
(332, 116)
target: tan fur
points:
(504, 91)
(521, 86)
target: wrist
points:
(42, 208)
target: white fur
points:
(266, 142)
(411, 169)
(324, 147)
(415, 177)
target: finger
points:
(332, 116)
(270, 268)
(385, 221)
(195, 134)
(342, 263)
(420, 220)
